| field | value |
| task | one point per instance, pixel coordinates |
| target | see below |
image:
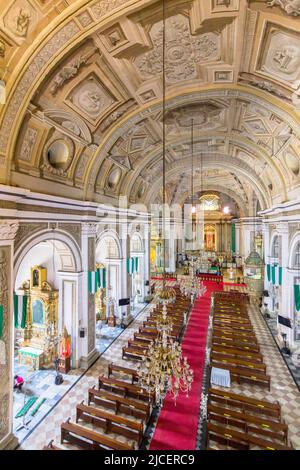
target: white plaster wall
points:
(42, 255)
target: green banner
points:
(16, 310)
(297, 297)
(269, 272)
(233, 242)
(24, 311)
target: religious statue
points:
(110, 305)
(65, 352)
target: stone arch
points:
(294, 244)
(110, 235)
(58, 236)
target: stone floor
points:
(49, 428)
(283, 387)
(41, 384)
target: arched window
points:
(296, 256)
(275, 247)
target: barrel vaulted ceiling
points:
(83, 111)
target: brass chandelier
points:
(164, 369)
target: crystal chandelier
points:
(165, 295)
(164, 369)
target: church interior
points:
(150, 225)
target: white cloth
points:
(220, 377)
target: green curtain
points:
(1, 321)
(24, 311)
(136, 264)
(273, 274)
(269, 272)
(297, 297)
(16, 310)
(233, 242)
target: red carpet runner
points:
(177, 425)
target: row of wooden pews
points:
(233, 331)
(137, 348)
(115, 416)
(236, 421)
(118, 410)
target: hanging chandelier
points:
(165, 295)
(164, 369)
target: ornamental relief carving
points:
(29, 77)
(25, 230)
(91, 97)
(71, 70)
(291, 7)
(21, 18)
(4, 346)
(28, 144)
(183, 51)
(72, 229)
(281, 55)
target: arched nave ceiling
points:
(88, 73)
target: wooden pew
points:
(233, 324)
(231, 437)
(236, 339)
(124, 388)
(129, 406)
(240, 374)
(229, 343)
(247, 363)
(52, 446)
(88, 439)
(142, 338)
(110, 423)
(132, 373)
(135, 353)
(245, 403)
(248, 423)
(223, 352)
(230, 333)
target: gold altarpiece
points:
(100, 299)
(40, 335)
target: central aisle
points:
(177, 425)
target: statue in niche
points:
(35, 278)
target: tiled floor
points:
(283, 387)
(41, 384)
(50, 427)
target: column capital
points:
(283, 228)
(8, 229)
(89, 228)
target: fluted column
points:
(8, 230)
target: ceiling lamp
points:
(164, 369)
(192, 175)
(165, 295)
(226, 210)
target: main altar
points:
(39, 340)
